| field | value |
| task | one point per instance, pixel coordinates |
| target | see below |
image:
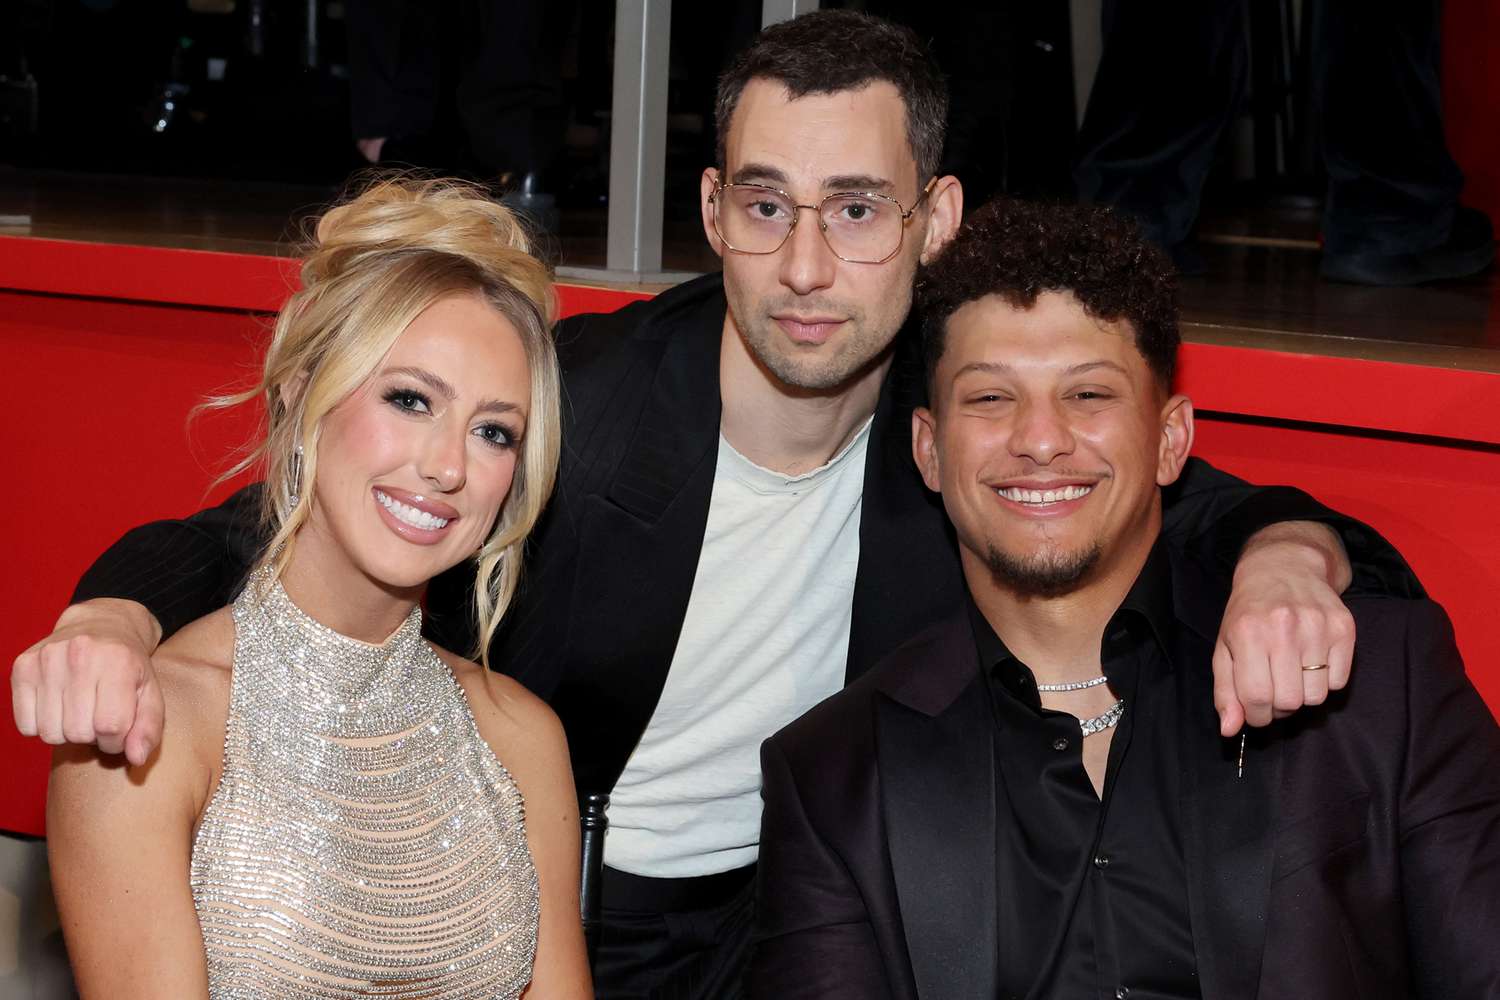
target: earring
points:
(294, 477)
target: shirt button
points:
(1102, 861)
(1061, 743)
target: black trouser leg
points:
(1392, 185)
(511, 98)
(1170, 77)
(394, 52)
(695, 954)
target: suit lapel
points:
(934, 741)
(647, 530)
(1228, 814)
(908, 575)
(679, 425)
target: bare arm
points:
(119, 839)
(527, 738)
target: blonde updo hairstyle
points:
(373, 264)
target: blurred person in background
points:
(499, 61)
(1173, 75)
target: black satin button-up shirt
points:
(1092, 893)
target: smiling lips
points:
(413, 517)
(1017, 494)
(1055, 500)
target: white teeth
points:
(1044, 496)
(407, 514)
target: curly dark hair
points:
(1017, 250)
(829, 51)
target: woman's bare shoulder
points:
(502, 703)
(526, 736)
(522, 732)
(194, 668)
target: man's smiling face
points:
(815, 321)
(1048, 438)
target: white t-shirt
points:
(765, 638)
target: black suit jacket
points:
(1357, 856)
(611, 565)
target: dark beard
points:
(1038, 578)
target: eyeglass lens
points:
(858, 227)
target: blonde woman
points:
(337, 808)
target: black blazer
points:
(1358, 856)
(611, 566)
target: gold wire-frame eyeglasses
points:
(795, 207)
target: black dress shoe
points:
(526, 198)
(1469, 249)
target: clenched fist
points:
(91, 681)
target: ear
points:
(706, 185)
(924, 447)
(1176, 439)
(289, 391)
(946, 212)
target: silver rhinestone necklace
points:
(1073, 685)
(1104, 720)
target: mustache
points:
(814, 304)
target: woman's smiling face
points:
(414, 466)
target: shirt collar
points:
(1148, 603)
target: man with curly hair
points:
(1032, 798)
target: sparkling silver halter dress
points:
(363, 840)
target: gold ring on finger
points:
(1310, 667)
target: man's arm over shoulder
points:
(813, 935)
(1289, 558)
(1449, 822)
(1213, 514)
(90, 680)
(181, 570)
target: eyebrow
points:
(760, 173)
(1001, 368)
(444, 388)
(857, 182)
(755, 173)
(435, 382)
(499, 406)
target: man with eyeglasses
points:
(739, 527)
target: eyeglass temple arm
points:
(920, 198)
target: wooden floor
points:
(1262, 288)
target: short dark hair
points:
(830, 51)
(1018, 250)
